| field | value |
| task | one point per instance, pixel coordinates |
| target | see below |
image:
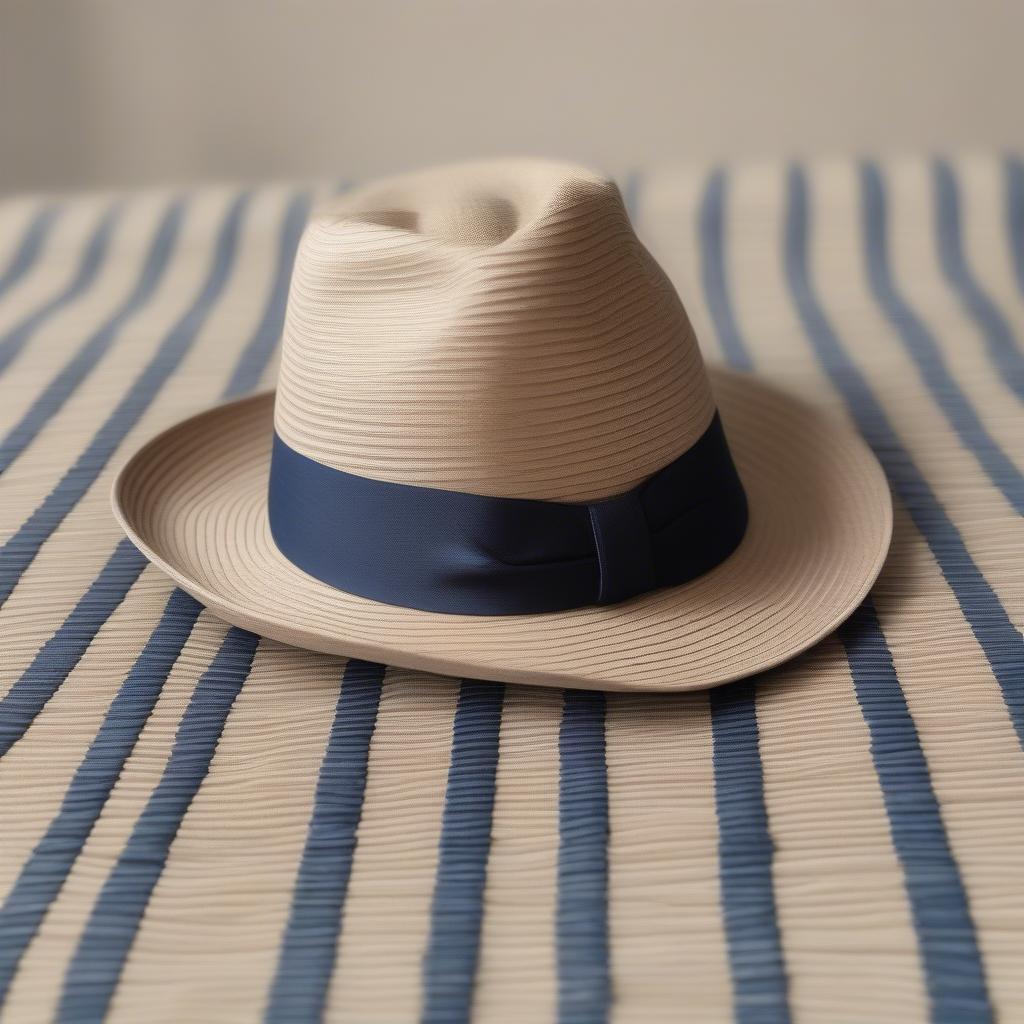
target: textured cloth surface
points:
(201, 825)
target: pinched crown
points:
(494, 328)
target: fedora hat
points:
(495, 451)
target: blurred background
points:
(98, 93)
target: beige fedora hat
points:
(495, 451)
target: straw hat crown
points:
(494, 328)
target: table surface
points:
(202, 825)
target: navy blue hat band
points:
(468, 554)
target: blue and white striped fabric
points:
(202, 825)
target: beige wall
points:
(98, 92)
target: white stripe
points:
(517, 942)
(386, 917)
(666, 935)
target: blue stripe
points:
(43, 874)
(309, 946)
(61, 387)
(584, 989)
(942, 921)
(449, 967)
(62, 652)
(999, 639)
(65, 648)
(31, 246)
(711, 226)
(20, 550)
(1000, 341)
(922, 347)
(907, 792)
(95, 253)
(257, 352)
(1014, 173)
(110, 931)
(745, 853)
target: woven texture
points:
(547, 359)
(198, 824)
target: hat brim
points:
(193, 500)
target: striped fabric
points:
(202, 825)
